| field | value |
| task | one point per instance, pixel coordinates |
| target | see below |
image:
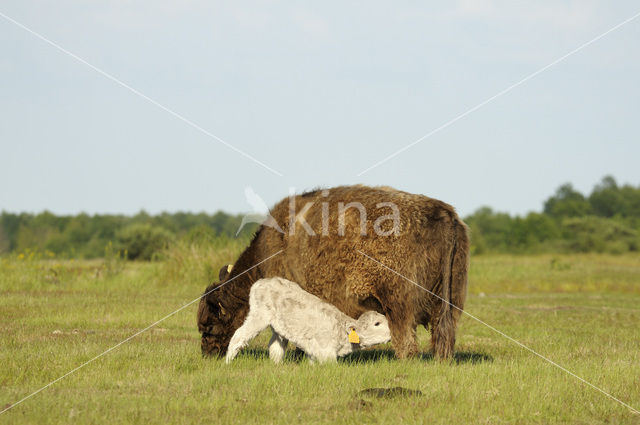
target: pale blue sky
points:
(318, 92)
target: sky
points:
(312, 95)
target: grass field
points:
(581, 311)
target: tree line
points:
(141, 236)
(607, 220)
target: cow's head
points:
(218, 317)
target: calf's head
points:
(372, 328)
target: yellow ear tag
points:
(353, 337)
(229, 268)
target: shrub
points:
(597, 234)
(143, 241)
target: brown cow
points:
(321, 246)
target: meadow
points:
(580, 310)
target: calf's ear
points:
(354, 327)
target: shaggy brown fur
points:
(431, 249)
(224, 272)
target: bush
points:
(597, 234)
(143, 241)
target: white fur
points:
(316, 327)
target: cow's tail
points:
(453, 291)
(459, 270)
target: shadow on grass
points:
(293, 356)
(368, 356)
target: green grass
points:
(581, 311)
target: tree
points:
(567, 202)
(4, 242)
(493, 229)
(608, 199)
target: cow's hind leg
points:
(443, 334)
(451, 294)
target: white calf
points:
(317, 327)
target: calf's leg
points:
(327, 356)
(277, 347)
(251, 327)
(319, 353)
